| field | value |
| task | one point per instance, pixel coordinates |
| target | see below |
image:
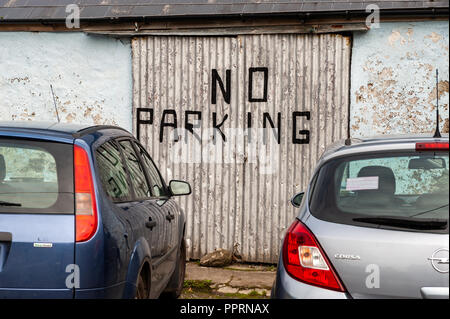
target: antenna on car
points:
(437, 133)
(54, 102)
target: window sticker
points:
(362, 183)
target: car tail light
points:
(85, 206)
(432, 146)
(305, 261)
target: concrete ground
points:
(238, 281)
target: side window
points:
(313, 186)
(157, 184)
(112, 173)
(135, 170)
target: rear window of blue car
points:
(36, 177)
(403, 190)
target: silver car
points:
(372, 224)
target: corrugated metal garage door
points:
(277, 81)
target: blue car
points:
(85, 213)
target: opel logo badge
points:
(439, 260)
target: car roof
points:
(378, 143)
(50, 128)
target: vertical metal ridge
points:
(233, 203)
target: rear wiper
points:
(429, 211)
(2, 203)
(412, 223)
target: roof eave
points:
(429, 12)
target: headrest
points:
(2, 168)
(386, 178)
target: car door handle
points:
(150, 224)
(170, 217)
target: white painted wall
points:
(393, 86)
(91, 78)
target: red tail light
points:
(432, 146)
(305, 261)
(85, 207)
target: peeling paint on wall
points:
(393, 87)
(91, 78)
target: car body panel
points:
(62, 138)
(110, 261)
(17, 293)
(117, 291)
(139, 256)
(400, 257)
(38, 242)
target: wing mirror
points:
(296, 201)
(179, 188)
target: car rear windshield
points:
(404, 190)
(36, 177)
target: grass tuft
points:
(198, 285)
